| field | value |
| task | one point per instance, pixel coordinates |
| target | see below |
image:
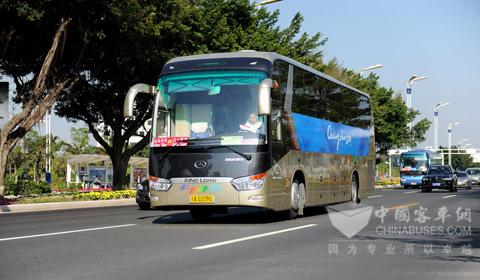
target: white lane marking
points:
(449, 196)
(375, 196)
(412, 192)
(252, 237)
(64, 232)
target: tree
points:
(80, 142)
(138, 38)
(29, 155)
(39, 81)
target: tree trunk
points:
(4, 151)
(36, 106)
(120, 166)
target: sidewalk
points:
(19, 208)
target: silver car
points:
(474, 174)
(464, 180)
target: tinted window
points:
(280, 75)
(364, 112)
(320, 98)
(350, 107)
(461, 174)
(334, 102)
(308, 99)
(356, 109)
(473, 172)
(440, 170)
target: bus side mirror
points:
(130, 98)
(264, 100)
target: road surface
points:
(126, 243)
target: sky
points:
(439, 39)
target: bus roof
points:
(270, 56)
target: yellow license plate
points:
(202, 199)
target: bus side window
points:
(281, 142)
(334, 102)
(279, 74)
(319, 102)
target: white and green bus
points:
(254, 129)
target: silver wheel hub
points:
(354, 190)
(295, 196)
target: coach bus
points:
(414, 163)
(255, 129)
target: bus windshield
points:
(214, 107)
(413, 162)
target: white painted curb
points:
(17, 208)
(387, 186)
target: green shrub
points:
(26, 188)
(62, 186)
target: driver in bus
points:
(252, 124)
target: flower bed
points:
(79, 196)
(95, 195)
(388, 181)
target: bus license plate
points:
(202, 199)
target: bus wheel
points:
(297, 199)
(200, 215)
(355, 198)
(144, 205)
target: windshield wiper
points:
(171, 149)
(188, 141)
(247, 157)
(204, 139)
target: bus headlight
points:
(249, 183)
(159, 184)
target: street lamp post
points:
(409, 83)
(435, 121)
(48, 144)
(450, 128)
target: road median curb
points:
(388, 187)
(18, 208)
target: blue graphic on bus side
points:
(317, 135)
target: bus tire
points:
(200, 215)
(144, 205)
(297, 199)
(354, 187)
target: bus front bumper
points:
(221, 194)
(411, 181)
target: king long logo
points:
(338, 136)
